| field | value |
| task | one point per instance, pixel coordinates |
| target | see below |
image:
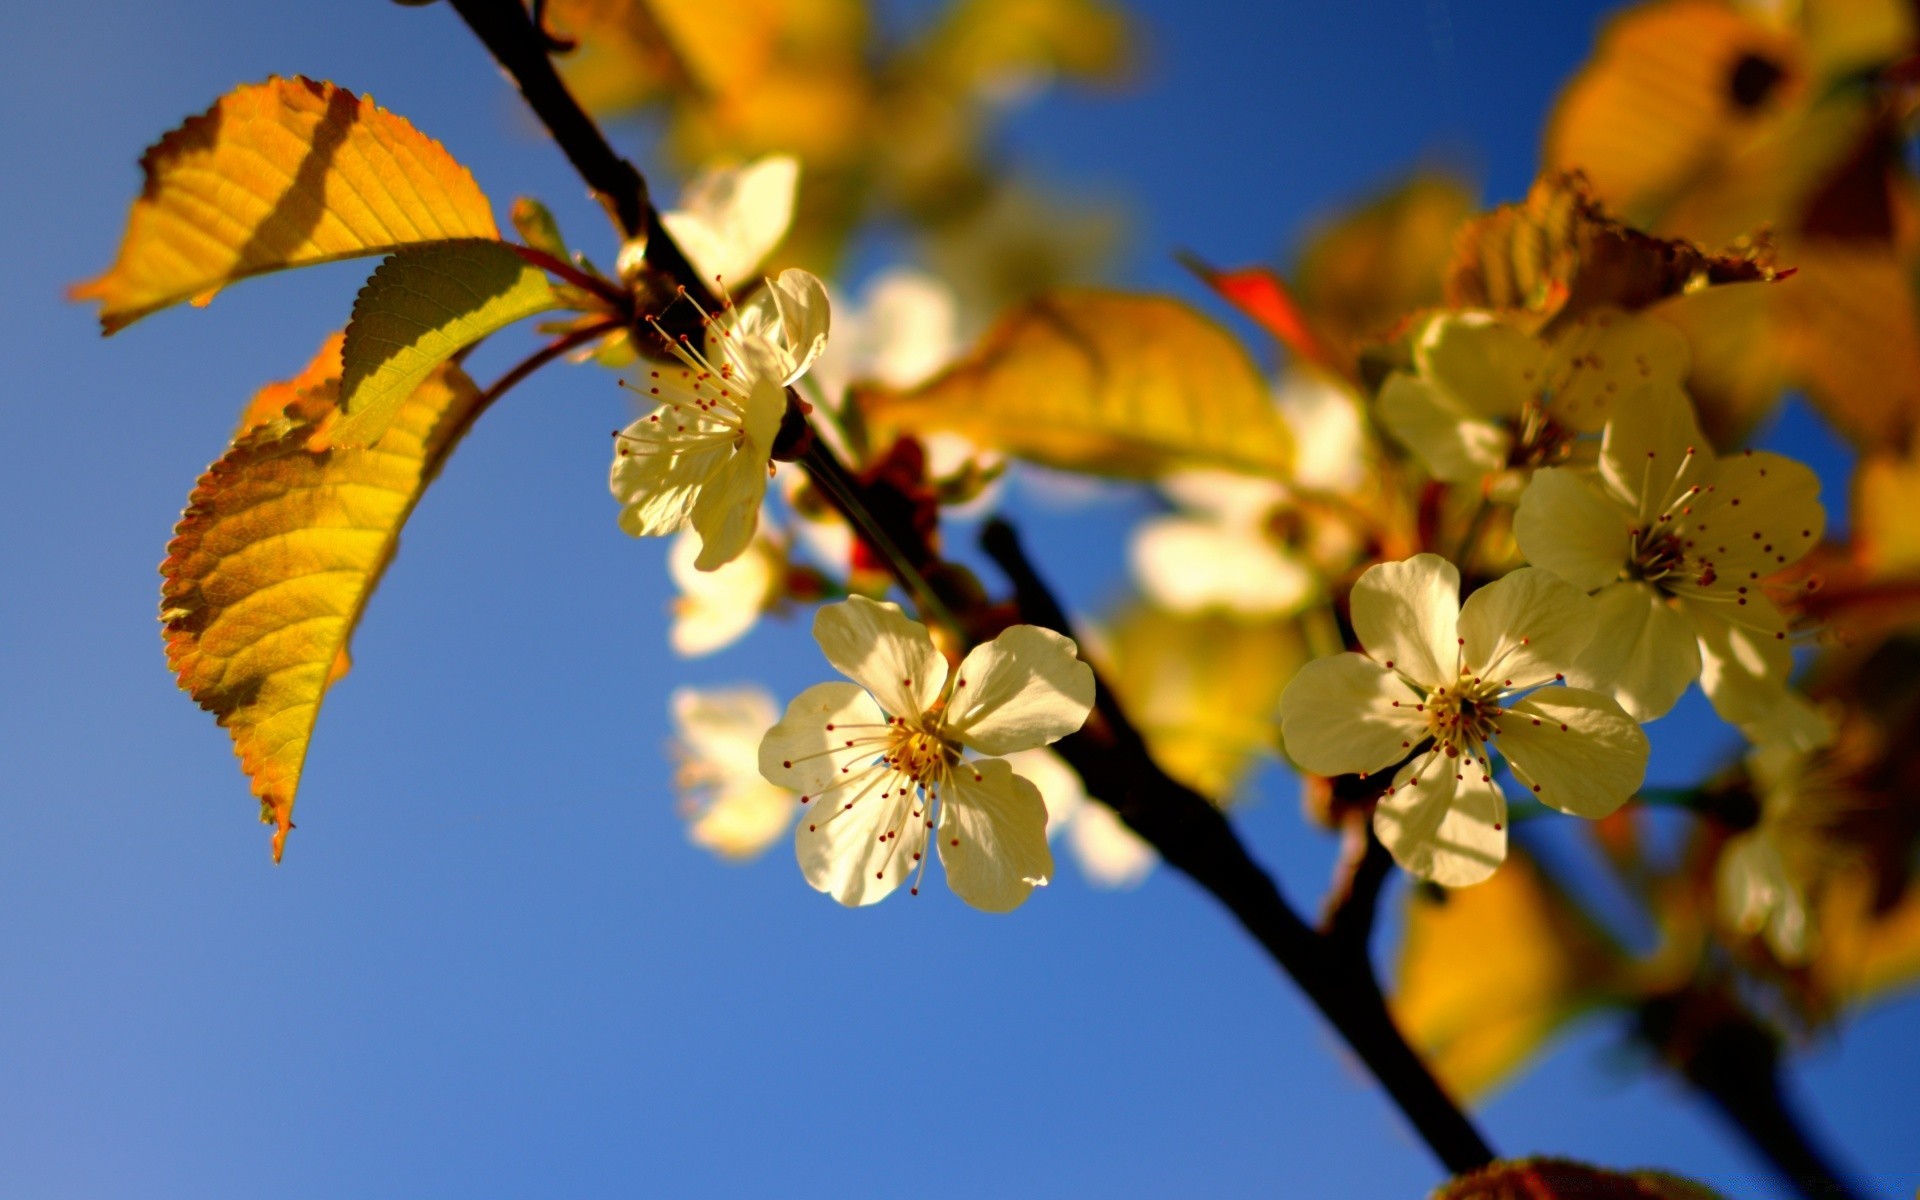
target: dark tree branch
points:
(1192, 835)
(1354, 900)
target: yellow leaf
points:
(994, 43)
(1886, 494)
(1102, 382)
(280, 174)
(1850, 332)
(1488, 973)
(1863, 953)
(271, 565)
(424, 305)
(1559, 1179)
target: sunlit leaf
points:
(1558, 1179)
(421, 307)
(271, 565)
(1489, 973)
(1264, 297)
(1863, 953)
(1361, 274)
(1009, 43)
(280, 174)
(1850, 331)
(1102, 382)
(1558, 254)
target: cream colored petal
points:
(1059, 785)
(1406, 616)
(766, 406)
(1025, 688)
(726, 510)
(1607, 354)
(1760, 513)
(1570, 527)
(1454, 444)
(1525, 628)
(1330, 438)
(829, 734)
(1644, 651)
(1744, 658)
(860, 843)
(716, 608)
(1793, 725)
(657, 484)
(729, 220)
(1444, 820)
(1577, 750)
(1346, 714)
(1490, 368)
(805, 318)
(1110, 854)
(741, 820)
(1229, 498)
(1187, 565)
(878, 646)
(723, 727)
(1653, 455)
(912, 327)
(993, 836)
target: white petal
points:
(1570, 527)
(1490, 368)
(1110, 854)
(829, 734)
(912, 327)
(878, 646)
(1455, 445)
(1406, 615)
(657, 484)
(1444, 820)
(1025, 688)
(1653, 454)
(1644, 650)
(1792, 725)
(740, 821)
(1525, 628)
(716, 608)
(1577, 750)
(861, 843)
(1761, 513)
(1744, 658)
(1059, 785)
(723, 727)
(1346, 714)
(805, 318)
(1243, 501)
(993, 836)
(729, 220)
(1188, 565)
(726, 511)
(1330, 436)
(1607, 354)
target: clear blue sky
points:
(491, 966)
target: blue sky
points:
(491, 965)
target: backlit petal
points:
(726, 510)
(1567, 525)
(730, 219)
(993, 836)
(1455, 444)
(1444, 820)
(1025, 688)
(716, 608)
(1110, 854)
(1524, 628)
(858, 844)
(1653, 454)
(1406, 616)
(1744, 657)
(878, 646)
(1188, 565)
(1606, 354)
(808, 751)
(1346, 714)
(1577, 750)
(1491, 368)
(1644, 650)
(1762, 513)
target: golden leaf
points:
(1559, 1179)
(271, 565)
(1101, 382)
(1489, 973)
(280, 174)
(1850, 332)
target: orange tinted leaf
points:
(1850, 332)
(1558, 1179)
(280, 174)
(271, 565)
(1262, 295)
(1362, 274)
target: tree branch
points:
(1193, 835)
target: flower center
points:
(1460, 717)
(920, 754)
(1538, 439)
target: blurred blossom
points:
(729, 219)
(729, 808)
(716, 608)
(1110, 855)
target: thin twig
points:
(515, 374)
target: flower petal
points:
(658, 482)
(1406, 616)
(993, 836)
(1606, 354)
(1653, 454)
(1491, 368)
(1187, 565)
(729, 220)
(1444, 821)
(1761, 513)
(1525, 628)
(1346, 714)
(1578, 750)
(805, 318)
(1110, 854)
(723, 727)
(740, 820)
(1455, 445)
(878, 646)
(1644, 650)
(1568, 526)
(1023, 689)
(829, 732)
(1744, 659)
(726, 510)
(716, 608)
(1792, 725)
(860, 844)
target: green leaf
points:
(423, 306)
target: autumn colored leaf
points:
(424, 305)
(1492, 971)
(983, 43)
(1359, 276)
(1264, 297)
(634, 49)
(1558, 255)
(284, 173)
(281, 544)
(1849, 331)
(1559, 1179)
(1102, 382)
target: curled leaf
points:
(284, 173)
(1102, 382)
(270, 567)
(424, 305)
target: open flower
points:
(1486, 397)
(1676, 540)
(730, 809)
(1439, 682)
(876, 758)
(703, 455)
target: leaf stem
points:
(616, 300)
